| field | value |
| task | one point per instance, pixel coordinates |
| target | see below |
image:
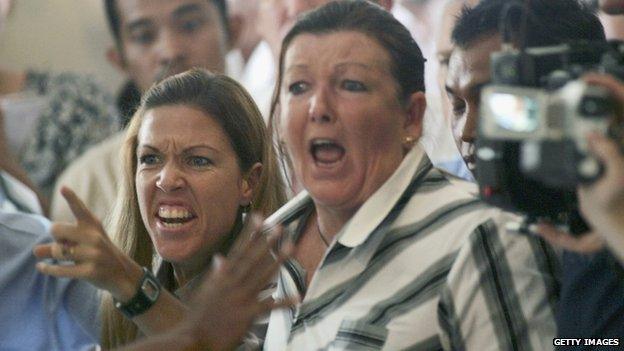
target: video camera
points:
(531, 151)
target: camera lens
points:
(595, 106)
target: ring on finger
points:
(67, 250)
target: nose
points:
(170, 178)
(469, 133)
(320, 106)
(171, 49)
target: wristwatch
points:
(146, 295)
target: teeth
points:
(322, 142)
(172, 225)
(174, 212)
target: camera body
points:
(551, 127)
(531, 150)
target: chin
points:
(176, 253)
(333, 195)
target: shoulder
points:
(105, 154)
(94, 177)
(449, 208)
(449, 201)
(22, 229)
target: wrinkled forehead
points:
(334, 49)
(183, 123)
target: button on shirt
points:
(422, 265)
(39, 312)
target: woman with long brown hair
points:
(197, 159)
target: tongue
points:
(328, 153)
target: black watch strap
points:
(146, 295)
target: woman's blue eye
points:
(149, 159)
(199, 161)
(297, 88)
(353, 85)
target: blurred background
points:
(58, 35)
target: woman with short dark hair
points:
(390, 252)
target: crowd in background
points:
(344, 132)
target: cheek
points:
(291, 124)
(377, 130)
(137, 58)
(143, 193)
(213, 48)
(220, 202)
(457, 127)
(457, 124)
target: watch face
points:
(150, 289)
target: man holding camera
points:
(596, 312)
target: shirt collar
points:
(377, 207)
(372, 212)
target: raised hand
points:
(601, 203)
(227, 303)
(95, 258)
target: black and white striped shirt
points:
(422, 265)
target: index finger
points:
(78, 208)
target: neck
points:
(11, 82)
(331, 221)
(185, 272)
(247, 50)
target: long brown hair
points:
(232, 107)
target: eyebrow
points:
(340, 66)
(186, 150)
(179, 12)
(137, 24)
(294, 67)
(186, 9)
(471, 90)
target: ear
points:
(416, 105)
(115, 58)
(236, 25)
(250, 183)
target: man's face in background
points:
(165, 37)
(468, 72)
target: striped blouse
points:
(422, 265)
